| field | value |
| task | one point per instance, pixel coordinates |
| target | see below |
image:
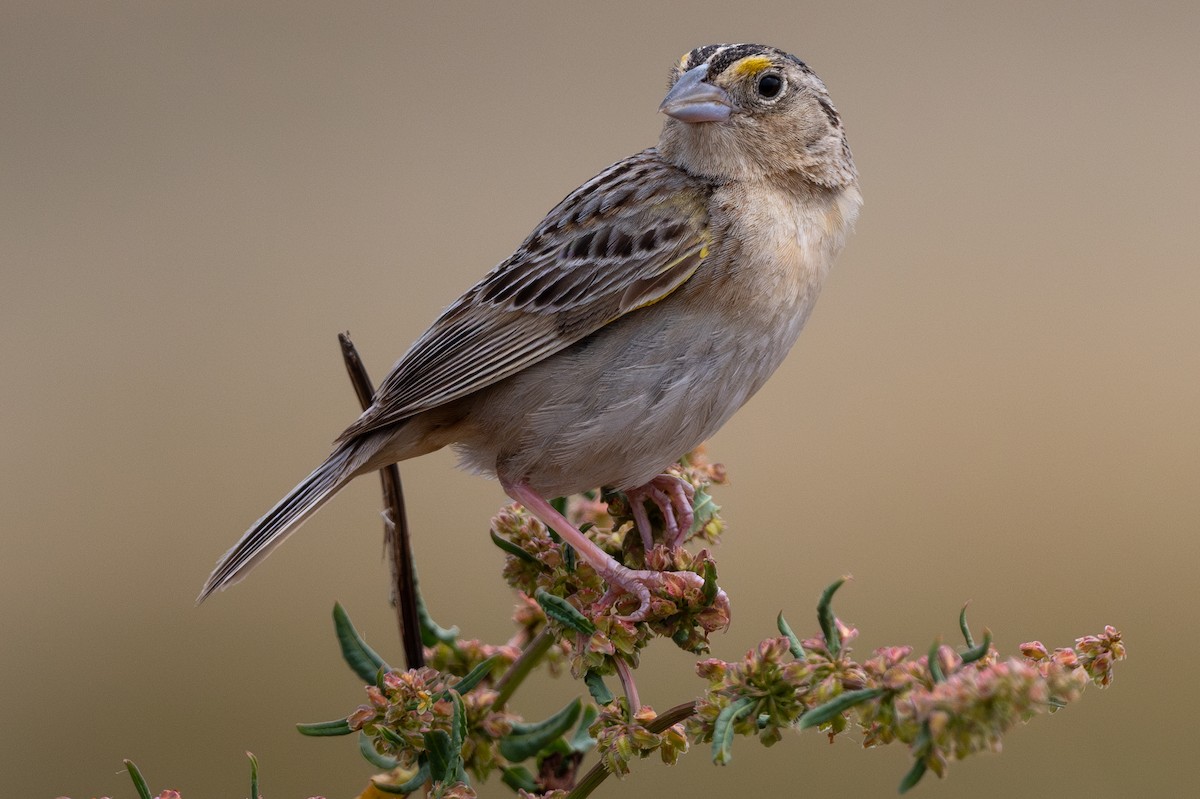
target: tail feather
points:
(281, 521)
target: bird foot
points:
(673, 498)
(644, 583)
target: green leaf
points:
(393, 737)
(458, 723)
(367, 750)
(833, 639)
(254, 794)
(564, 612)
(920, 749)
(364, 660)
(582, 741)
(321, 729)
(710, 588)
(836, 706)
(703, 509)
(518, 778)
(962, 625)
(412, 786)
(920, 744)
(935, 667)
(914, 775)
(459, 732)
(597, 688)
(568, 553)
(443, 758)
(476, 674)
(511, 548)
(139, 783)
(722, 739)
(793, 642)
(560, 505)
(976, 652)
(527, 740)
(522, 728)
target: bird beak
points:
(693, 100)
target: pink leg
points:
(673, 498)
(637, 506)
(619, 578)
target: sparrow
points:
(643, 311)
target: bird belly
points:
(620, 406)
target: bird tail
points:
(282, 520)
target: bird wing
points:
(623, 240)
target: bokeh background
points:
(997, 400)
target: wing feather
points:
(625, 239)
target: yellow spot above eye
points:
(683, 59)
(750, 65)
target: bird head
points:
(747, 112)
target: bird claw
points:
(620, 581)
(673, 497)
(641, 583)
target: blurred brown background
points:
(996, 400)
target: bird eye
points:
(770, 85)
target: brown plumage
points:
(638, 316)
